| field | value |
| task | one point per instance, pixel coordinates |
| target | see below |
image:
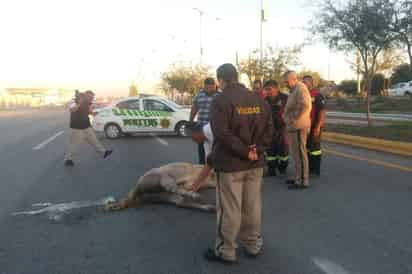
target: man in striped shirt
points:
(201, 108)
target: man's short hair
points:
(308, 77)
(287, 73)
(271, 83)
(81, 95)
(89, 92)
(227, 72)
(257, 81)
(209, 81)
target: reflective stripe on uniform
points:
(285, 158)
(316, 153)
(274, 158)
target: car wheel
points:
(181, 129)
(408, 93)
(112, 131)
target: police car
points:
(143, 114)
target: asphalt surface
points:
(356, 218)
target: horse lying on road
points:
(171, 184)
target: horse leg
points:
(177, 200)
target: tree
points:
(133, 90)
(185, 78)
(378, 84)
(401, 73)
(364, 26)
(402, 25)
(349, 87)
(276, 61)
(385, 62)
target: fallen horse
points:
(170, 184)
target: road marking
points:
(55, 212)
(45, 142)
(160, 140)
(376, 162)
(329, 267)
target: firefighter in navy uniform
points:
(317, 121)
(277, 156)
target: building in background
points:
(14, 98)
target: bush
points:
(349, 87)
(378, 84)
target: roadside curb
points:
(400, 148)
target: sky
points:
(106, 45)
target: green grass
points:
(378, 105)
(395, 131)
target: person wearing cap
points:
(201, 108)
(277, 155)
(297, 120)
(80, 127)
(317, 117)
(241, 123)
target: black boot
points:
(316, 160)
(69, 163)
(272, 168)
(272, 171)
(283, 166)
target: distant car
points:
(143, 114)
(401, 89)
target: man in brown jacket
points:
(297, 119)
(242, 126)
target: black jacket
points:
(277, 106)
(80, 118)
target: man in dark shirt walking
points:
(242, 126)
(80, 127)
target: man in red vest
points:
(317, 121)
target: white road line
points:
(160, 140)
(329, 267)
(45, 142)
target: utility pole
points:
(201, 13)
(262, 19)
(329, 55)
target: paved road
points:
(355, 219)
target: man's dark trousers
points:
(201, 153)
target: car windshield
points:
(173, 104)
